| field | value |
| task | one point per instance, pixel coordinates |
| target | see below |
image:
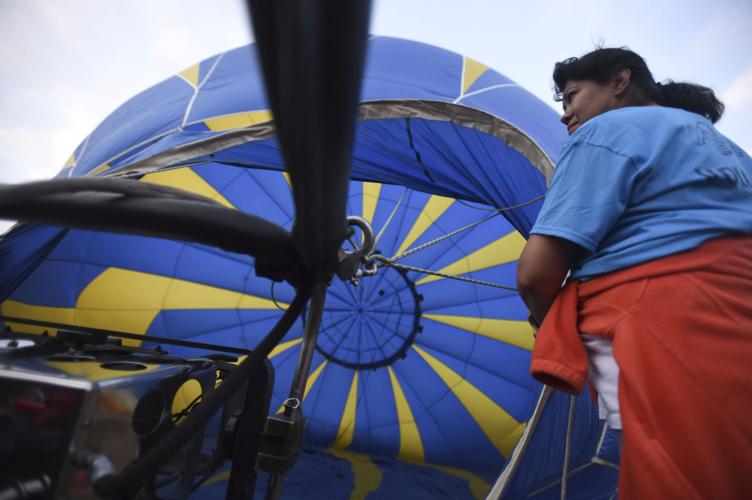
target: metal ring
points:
(292, 403)
(367, 229)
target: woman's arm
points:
(541, 269)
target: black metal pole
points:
(248, 427)
(297, 389)
(310, 335)
(129, 481)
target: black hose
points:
(129, 481)
(27, 489)
(103, 334)
(126, 206)
(13, 193)
(312, 55)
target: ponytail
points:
(690, 97)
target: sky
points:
(65, 65)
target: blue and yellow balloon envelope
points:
(410, 368)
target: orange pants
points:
(682, 336)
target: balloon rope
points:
(442, 238)
(388, 262)
(490, 209)
(384, 261)
(497, 211)
(389, 220)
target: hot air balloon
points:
(420, 369)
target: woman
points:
(650, 213)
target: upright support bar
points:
(310, 335)
(567, 446)
(519, 450)
(285, 431)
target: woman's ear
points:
(620, 82)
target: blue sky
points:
(67, 64)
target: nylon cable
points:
(387, 262)
(567, 447)
(489, 209)
(388, 220)
(392, 261)
(497, 211)
(407, 253)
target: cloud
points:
(43, 123)
(738, 100)
(24, 157)
(739, 92)
(84, 60)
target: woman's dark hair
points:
(602, 64)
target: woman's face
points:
(584, 99)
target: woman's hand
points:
(533, 324)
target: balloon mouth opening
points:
(373, 324)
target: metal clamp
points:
(350, 261)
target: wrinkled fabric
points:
(681, 328)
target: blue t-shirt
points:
(639, 183)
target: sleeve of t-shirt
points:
(590, 189)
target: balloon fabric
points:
(417, 379)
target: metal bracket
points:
(349, 262)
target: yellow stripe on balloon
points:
(347, 422)
(499, 426)
(411, 445)
(366, 476)
(238, 120)
(222, 476)
(98, 170)
(71, 161)
(136, 291)
(190, 75)
(472, 70)
(124, 321)
(128, 301)
(93, 370)
(313, 378)
(434, 208)
(371, 192)
(516, 333)
(502, 251)
(188, 180)
(280, 348)
(188, 393)
(478, 487)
